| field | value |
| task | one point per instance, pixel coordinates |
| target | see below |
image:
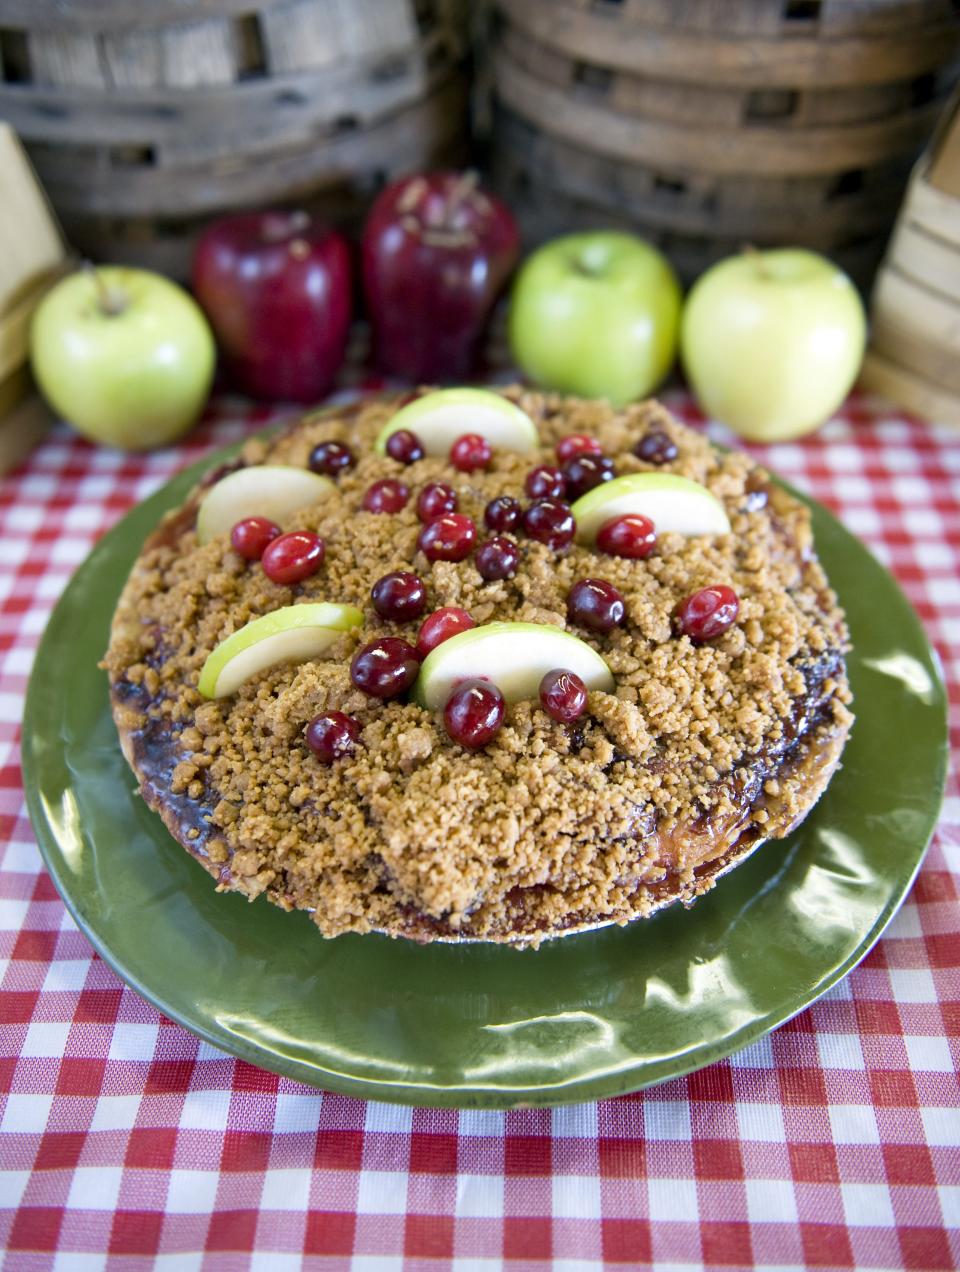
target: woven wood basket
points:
(710, 123)
(143, 125)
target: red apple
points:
(437, 251)
(276, 287)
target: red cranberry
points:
(405, 447)
(436, 500)
(577, 444)
(583, 472)
(656, 448)
(474, 713)
(250, 536)
(386, 496)
(502, 513)
(385, 667)
(596, 604)
(708, 613)
(440, 626)
(330, 737)
(448, 538)
(631, 536)
(545, 482)
(550, 521)
(497, 559)
(292, 557)
(331, 458)
(400, 596)
(563, 695)
(470, 452)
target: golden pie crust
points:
(701, 753)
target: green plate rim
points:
(623, 1081)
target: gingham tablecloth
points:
(834, 1142)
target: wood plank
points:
(15, 324)
(707, 149)
(937, 363)
(930, 314)
(872, 17)
(31, 246)
(930, 208)
(249, 116)
(14, 388)
(314, 33)
(21, 429)
(65, 58)
(89, 16)
(930, 261)
(909, 391)
(277, 175)
(774, 209)
(674, 52)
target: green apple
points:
(513, 656)
(438, 419)
(596, 314)
(671, 502)
(123, 355)
(294, 633)
(262, 490)
(773, 341)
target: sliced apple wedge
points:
(438, 419)
(262, 490)
(513, 656)
(671, 502)
(294, 633)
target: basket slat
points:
(761, 211)
(194, 189)
(671, 50)
(709, 149)
(214, 122)
(94, 16)
(317, 33)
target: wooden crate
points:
(32, 257)
(143, 125)
(708, 123)
(914, 354)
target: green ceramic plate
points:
(589, 1016)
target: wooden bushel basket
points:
(711, 123)
(143, 125)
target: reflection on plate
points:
(595, 1015)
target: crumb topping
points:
(550, 824)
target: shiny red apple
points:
(277, 289)
(437, 251)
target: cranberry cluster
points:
(387, 667)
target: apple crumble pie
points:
(532, 695)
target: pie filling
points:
(701, 753)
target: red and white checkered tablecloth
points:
(832, 1143)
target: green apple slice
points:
(438, 419)
(294, 633)
(671, 502)
(513, 656)
(262, 490)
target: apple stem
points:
(461, 190)
(759, 263)
(112, 300)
